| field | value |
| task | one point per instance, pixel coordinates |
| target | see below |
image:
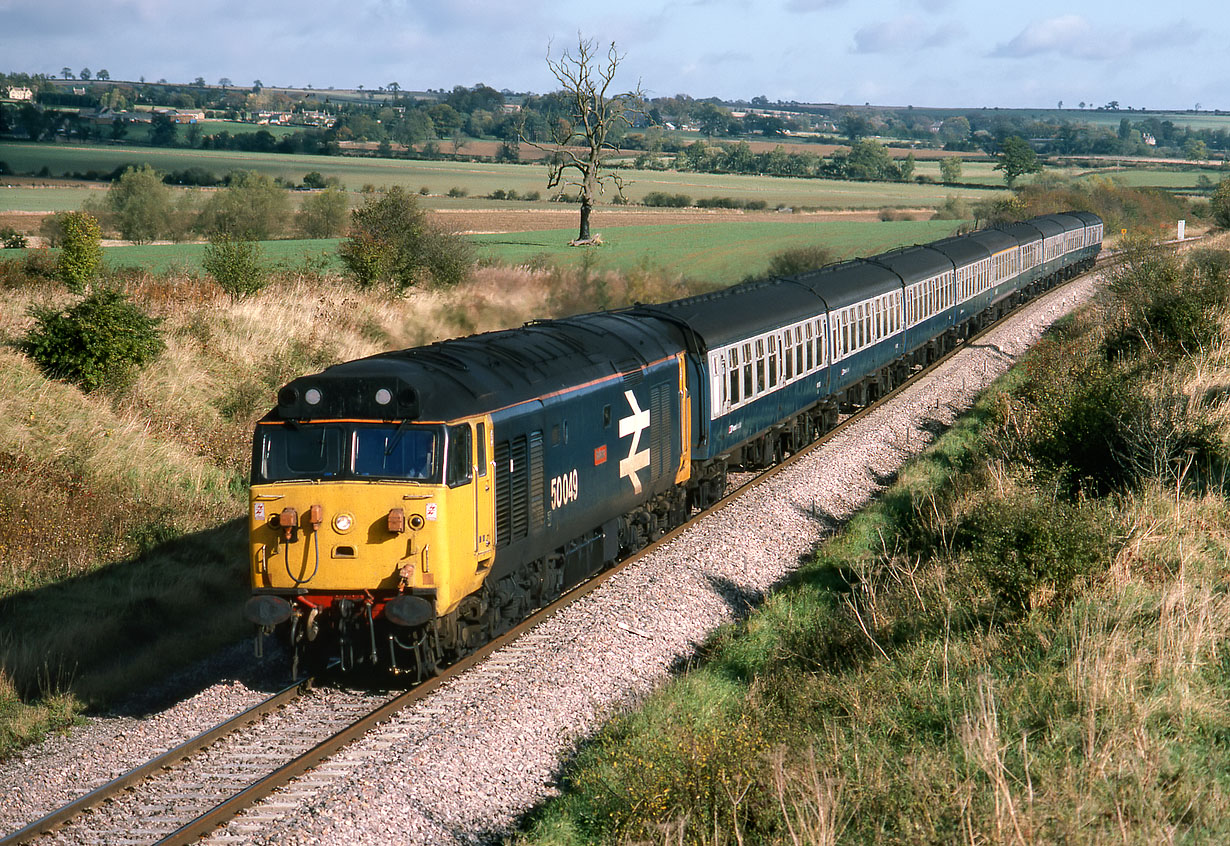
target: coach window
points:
(760, 366)
(732, 364)
(798, 348)
(460, 455)
(788, 357)
(772, 361)
(747, 371)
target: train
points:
(407, 507)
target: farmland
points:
(475, 179)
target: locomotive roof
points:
(456, 378)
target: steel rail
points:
(57, 818)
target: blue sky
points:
(888, 52)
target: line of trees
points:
(141, 207)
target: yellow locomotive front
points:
(363, 532)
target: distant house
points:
(16, 93)
(188, 116)
(1148, 139)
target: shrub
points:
(662, 199)
(314, 179)
(11, 239)
(1220, 203)
(799, 260)
(235, 265)
(51, 228)
(457, 192)
(99, 340)
(392, 242)
(1029, 548)
(953, 208)
(81, 250)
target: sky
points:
(961, 53)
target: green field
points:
(476, 179)
(722, 253)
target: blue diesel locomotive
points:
(407, 507)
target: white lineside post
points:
(1182, 229)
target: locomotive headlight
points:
(343, 522)
(312, 396)
(384, 396)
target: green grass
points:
(723, 253)
(39, 199)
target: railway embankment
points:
(1022, 640)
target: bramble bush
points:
(98, 341)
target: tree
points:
(66, 72)
(593, 119)
(252, 207)
(1016, 158)
(235, 264)
(80, 250)
(323, 214)
(712, 119)
(103, 74)
(1219, 203)
(163, 131)
(950, 169)
(393, 243)
(854, 126)
(907, 167)
(85, 73)
(141, 203)
(1195, 149)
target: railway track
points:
(193, 789)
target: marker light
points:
(312, 396)
(384, 396)
(343, 522)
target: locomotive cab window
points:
(460, 456)
(481, 448)
(304, 452)
(396, 452)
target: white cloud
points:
(1063, 34)
(906, 34)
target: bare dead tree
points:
(582, 141)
